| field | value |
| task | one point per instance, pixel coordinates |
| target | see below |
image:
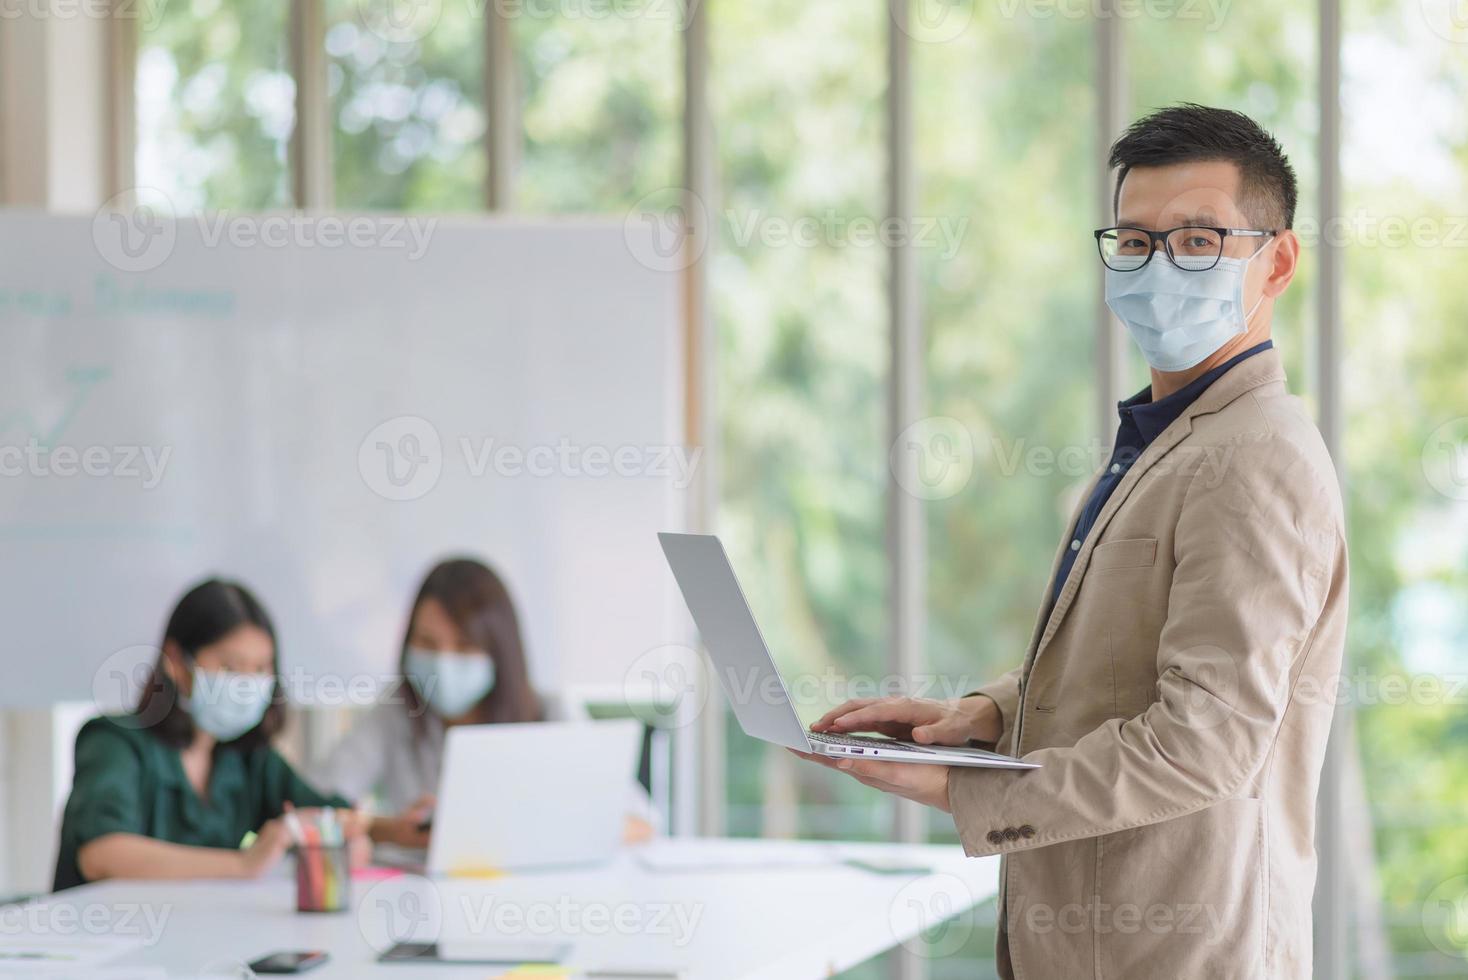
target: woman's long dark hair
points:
(480, 606)
(206, 614)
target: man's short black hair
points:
(1189, 133)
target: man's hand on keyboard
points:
(920, 720)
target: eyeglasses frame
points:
(1156, 236)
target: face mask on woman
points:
(451, 683)
(226, 704)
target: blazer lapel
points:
(1261, 369)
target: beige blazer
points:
(1179, 695)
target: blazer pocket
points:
(1125, 553)
(1202, 878)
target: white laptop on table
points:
(753, 685)
(538, 795)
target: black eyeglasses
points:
(1192, 248)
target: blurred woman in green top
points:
(171, 790)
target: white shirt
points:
(394, 759)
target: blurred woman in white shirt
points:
(462, 663)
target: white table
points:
(701, 909)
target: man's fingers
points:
(870, 782)
(881, 774)
(812, 757)
(824, 722)
(896, 710)
(942, 732)
(861, 770)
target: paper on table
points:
(544, 972)
(90, 973)
(475, 871)
(49, 954)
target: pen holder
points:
(323, 878)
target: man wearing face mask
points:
(1176, 689)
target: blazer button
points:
(1027, 831)
(1010, 834)
(996, 837)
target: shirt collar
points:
(1152, 417)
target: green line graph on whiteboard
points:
(45, 427)
(27, 423)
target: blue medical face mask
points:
(226, 704)
(451, 683)
(1178, 317)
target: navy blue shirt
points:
(1142, 420)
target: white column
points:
(906, 371)
(502, 108)
(1332, 899)
(311, 162)
(55, 68)
(699, 759)
(906, 533)
(1110, 84)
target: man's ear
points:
(175, 665)
(1286, 262)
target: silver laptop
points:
(753, 685)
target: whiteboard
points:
(322, 422)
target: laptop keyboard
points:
(863, 741)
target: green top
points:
(128, 781)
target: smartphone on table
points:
(286, 963)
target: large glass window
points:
(1008, 166)
(800, 308)
(215, 104)
(1008, 303)
(601, 97)
(406, 84)
(1008, 182)
(1404, 223)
